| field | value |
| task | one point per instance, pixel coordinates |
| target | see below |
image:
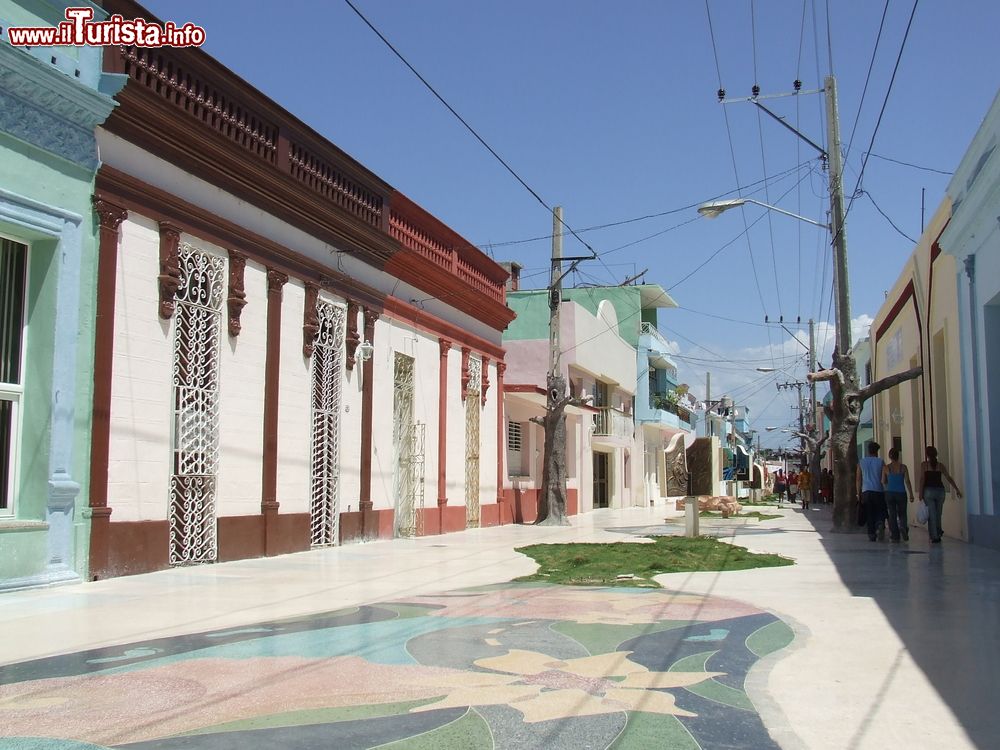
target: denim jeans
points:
(875, 512)
(934, 497)
(895, 503)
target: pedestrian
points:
(805, 486)
(779, 485)
(826, 485)
(793, 486)
(931, 490)
(896, 480)
(872, 494)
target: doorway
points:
(602, 479)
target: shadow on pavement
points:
(943, 601)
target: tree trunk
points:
(845, 414)
(552, 499)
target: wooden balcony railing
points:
(200, 89)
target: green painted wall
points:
(32, 173)
(532, 321)
(532, 308)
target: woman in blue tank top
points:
(896, 480)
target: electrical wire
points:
(711, 257)
(885, 102)
(871, 64)
(732, 153)
(886, 217)
(548, 237)
(465, 123)
(908, 164)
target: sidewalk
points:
(895, 645)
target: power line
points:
(908, 164)
(711, 257)
(885, 102)
(886, 217)
(736, 173)
(871, 64)
(467, 126)
(547, 237)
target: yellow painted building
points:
(918, 325)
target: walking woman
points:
(931, 490)
(896, 480)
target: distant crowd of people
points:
(798, 486)
(884, 490)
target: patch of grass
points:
(604, 563)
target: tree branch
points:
(821, 375)
(888, 382)
(813, 442)
(537, 420)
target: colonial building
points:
(290, 353)
(612, 354)
(971, 242)
(51, 99)
(918, 326)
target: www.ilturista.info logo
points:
(79, 28)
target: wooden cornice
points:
(191, 111)
(411, 315)
(166, 131)
(424, 274)
(133, 194)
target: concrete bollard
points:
(691, 516)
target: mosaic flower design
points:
(543, 688)
(506, 666)
(586, 605)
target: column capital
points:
(276, 280)
(109, 215)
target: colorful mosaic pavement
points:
(507, 666)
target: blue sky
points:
(610, 110)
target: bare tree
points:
(816, 453)
(845, 414)
(552, 500)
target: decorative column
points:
(352, 339)
(501, 444)
(170, 268)
(110, 218)
(236, 298)
(367, 373)
(444, 346)
(269, 474)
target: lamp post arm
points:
(788, 213)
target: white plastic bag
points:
(922, 513)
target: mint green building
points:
(51, 100)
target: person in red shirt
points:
(793, 486)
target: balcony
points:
(610, 422)
(190, 110)
(659, 351)
(669, 413)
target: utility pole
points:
(812, 368)
(797, 385)
(555, 297)
(708, 400)
(840, 278)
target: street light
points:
(712, 209)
